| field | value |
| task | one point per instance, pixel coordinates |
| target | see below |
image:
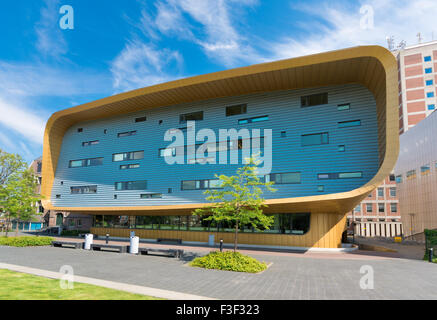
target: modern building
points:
(416, 175)
(334, 124)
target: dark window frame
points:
(229, 109)
(318, 99)
(183, 117)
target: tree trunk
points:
(16, 229)
(236, 236)
(8, 220)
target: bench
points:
(73, 245)
(109, 247)
(178, 241)
(170, 252)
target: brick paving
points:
(291, 275)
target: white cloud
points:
(341, 27)
(50, 38)
(140, 65)
(21, 120)
(207, 23)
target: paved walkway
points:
(291, 276)
(405, 250)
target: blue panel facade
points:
(349, 149)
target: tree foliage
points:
(18, 188)
(239, 200)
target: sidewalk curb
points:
(158, 293)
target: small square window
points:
(170, 190)
(430, 94)
(58, 196)
(320, 188)
(429, 82)
(341, 148)
(283, 134)
(62, 183)
(431, 107)
(427, 58)
(160, 122)
(428, 70)
(80, 130)
(105, 131)
(115, 196)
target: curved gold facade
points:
(371, 66)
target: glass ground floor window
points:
(284, 223)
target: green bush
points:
(73, 233)
(25, 241)
(229, 261)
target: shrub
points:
(229, 261)
(25, 241)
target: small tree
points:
(18, 186)
(239, 200)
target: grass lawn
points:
(21, 286)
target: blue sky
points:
(117, 46)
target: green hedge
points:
(25, 241)
(229, 261)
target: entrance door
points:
(59, 219)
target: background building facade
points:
(416, 176)
(417, 80)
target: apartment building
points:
(417, 83)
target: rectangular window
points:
(90, 143)
(84, 190)
(341, 148)
(381, 207)
(86, 163)
(286, 178)
(369, 207)
(253, 120)
(167, 152)
(427, 58)
(151, 196)
(428, 70)
(129, 166)
(392, 177)
(236, 110)
(399, 179)
(342, 107)
(136, 155)
(201, 184)
(392, 192)
(411, 174)
(127, 134)
(314, 100)
(381, 192)
(320, 188)
(358, 208)
(347, 124)
(394, 207)
(141, 119)
(340, 175)
(430, 94)
(429, 82)
(424, 170)
(194, 116)
(131, 185)
(315, 139)
(431, 106)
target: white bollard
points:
(134, 244)
(88, 241)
